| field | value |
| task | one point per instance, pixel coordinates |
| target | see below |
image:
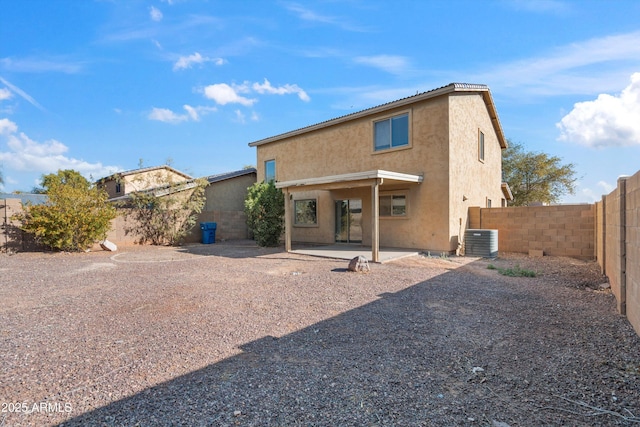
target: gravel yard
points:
(229, 334)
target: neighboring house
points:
(224, 205)
(224, 198)
(402, 174)
(122, 183)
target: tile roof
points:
(228, 175)
(142, 170)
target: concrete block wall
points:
(12, 239)
(561, 230)
(632, 225)
(621, 257)
(231, 225)
(614, 243)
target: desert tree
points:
(536, 176)
(75, 216)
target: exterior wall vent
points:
(483, 243)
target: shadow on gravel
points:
(427, 355)
(229, 249)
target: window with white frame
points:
(393, 205)
(390, 133)
(480, 146)
(305, 212)
(270, 170)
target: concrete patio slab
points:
(346, 251)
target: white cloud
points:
(390, 63)
(25, 154)
(609, 120)
(223, 94)
(240, 117)
(586, 67)
(155, 14)
(309, 15)
(167, 116)
(7, 127)
(41, 65)
(21, 93)
(196, 58)
(5, 94)
(608, 188)
(540, 6)
(282, 90)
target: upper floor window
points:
(481, 146)
(391, 132)
(118, 188)
(270, 170)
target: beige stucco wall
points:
(225, 206)
(470, 178)
(432, 221)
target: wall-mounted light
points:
(464, 198)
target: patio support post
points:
(375, 221)
(287, 220)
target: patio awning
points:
(352, 178)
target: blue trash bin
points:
(208, 232)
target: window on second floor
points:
(118, 188)
(270, 170)
(480, 146)
(392, 132)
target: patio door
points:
(349, 221)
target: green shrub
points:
(76, 215)
(516, 272)
(164, 214)
(264, 207)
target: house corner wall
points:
(473, 182)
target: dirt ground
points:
(230, 334)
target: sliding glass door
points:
(349, 221)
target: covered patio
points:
(373, 179)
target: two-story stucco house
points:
(402, 174)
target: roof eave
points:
(364, 113)
(450, 88)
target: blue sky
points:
(97, 85)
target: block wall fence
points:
(607, 231)
(560, 230)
